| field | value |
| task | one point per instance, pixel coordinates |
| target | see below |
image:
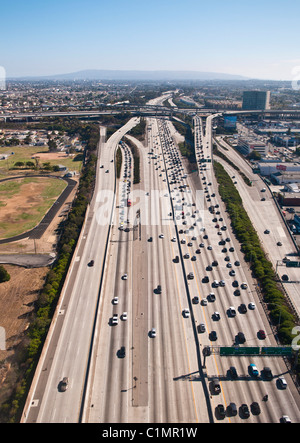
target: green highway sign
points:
(276, 350)
(293, 264)
(225, 351)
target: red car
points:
(262, 334)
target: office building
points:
(246, 145)
(256, 100)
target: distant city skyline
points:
(255, 39)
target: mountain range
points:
(99, 74)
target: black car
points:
(245, 411)
(221, 411)
(255, 408)
(241, 337)
(243, 308)
(91, 263)
(233, 372)
(213, 335)
(122, 352)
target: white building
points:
(246, 145)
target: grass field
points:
(24, 202)
(26, 153)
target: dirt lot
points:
(17, 296)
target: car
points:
(205, 279)
(122, 352)
(114, 320)
(63, 384)
(285, 419)
(124, 277)
(91, 263)
(244, 285)
(124, 316)
(173, 239)
(176, 259)
(158, 289)
(251, 305)
(215, 284)
(213, 335)
(153, 333)
(196, 300)
(232, 311)
(221, 411)
(222, 283)
(245, 411)
(161, 236)
(209, 247)
(216, 315)
(186, 313)
(281, 382)
(215, 384)
(187, 255)
(232, 409)
(237, 292)
(204, 302)
(267, 231)
(243, 308)
(253, 369)
(194, 258)
(212, 297)
(150, 239)
(262, 334)
(190, 276)
(201, 328)
(279, 243)
(241, 337)
(115, 300)
(267, 373)
(233, 372)
(232, 273)
(255, 408)
(237, 263)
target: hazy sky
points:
(255, 38)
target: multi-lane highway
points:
(132, 330)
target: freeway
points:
(177, 292)
(245, 389)
(67, 348)
(265, 217)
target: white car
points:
(153, 332)
(204, 301)
(115, 319)
(124, 277)
(232, 311)
(173, 239)
(251, 305)
(161, 236)
(186, 313)
(282, 382)
(124, 316)
(115, 300)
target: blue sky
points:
(256, 38)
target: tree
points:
(4, 275)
